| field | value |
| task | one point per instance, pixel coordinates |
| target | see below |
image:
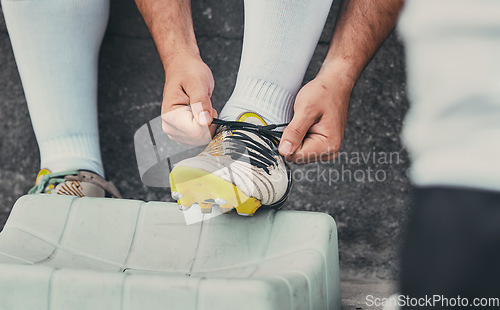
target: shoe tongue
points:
(256, 119)
(253, 118)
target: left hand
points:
(320, 114)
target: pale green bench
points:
(60, 253)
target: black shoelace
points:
(263, 156)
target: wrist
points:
(340, 73)
(180, 55)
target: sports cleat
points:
(80, 183)
(220, 201)
(241, 168)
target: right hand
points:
(186, 110)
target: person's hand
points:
(186, 110)
(317, 128)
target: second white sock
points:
(279, 40)
(56, 45)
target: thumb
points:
(294, 133)
(199, 100)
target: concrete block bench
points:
(61, 252)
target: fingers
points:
(316, 147)
(321, 143)
(295, 132)
(313, 137)
(187, 111)
(180, 125)
(199, 99)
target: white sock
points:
(56, 45)
(279, 41)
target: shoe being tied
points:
(80, 183)
(241, 168)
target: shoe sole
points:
(192, 186)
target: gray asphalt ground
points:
(370, 214)
(362, 293)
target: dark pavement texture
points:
(370, 214)
(361, 293)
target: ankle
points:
(269, 100)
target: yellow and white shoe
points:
(241, 168)
(80, 183)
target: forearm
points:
(171, 26)
(361, 27)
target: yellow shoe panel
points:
(202, 187)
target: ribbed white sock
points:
(56, 45)
(279, 41)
